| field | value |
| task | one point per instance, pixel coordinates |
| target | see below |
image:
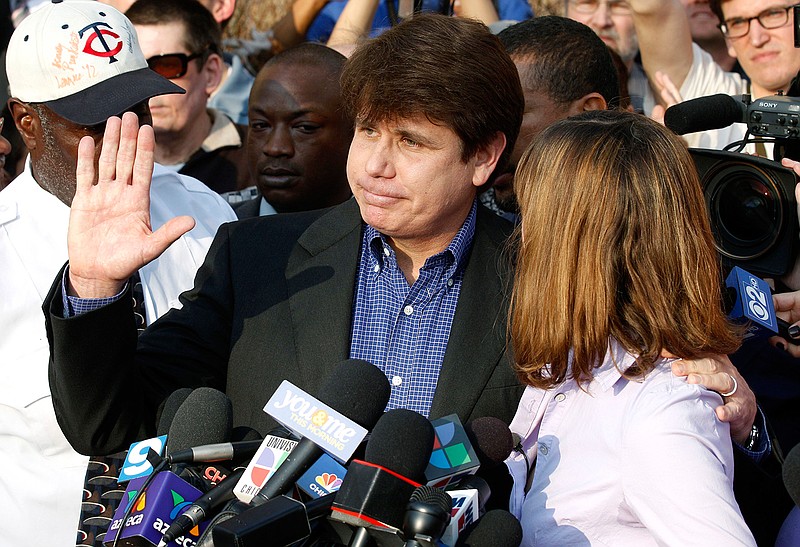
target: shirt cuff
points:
(764, 446)
(75, 305)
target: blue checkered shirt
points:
(404, 329)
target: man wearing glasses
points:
(181, 41)
(759, 34)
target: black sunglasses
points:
(172, 65)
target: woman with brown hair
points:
(616, 269)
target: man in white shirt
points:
(759, 34)
(94, 70)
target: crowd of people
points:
(481, 202)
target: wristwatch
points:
(752, 441)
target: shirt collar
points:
(456, 252)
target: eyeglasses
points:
(738, 27)
(172, 65)
(615, 7)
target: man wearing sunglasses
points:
(71, 65)
(181, 41)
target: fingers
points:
(166, 235)
(84, 173)
(793, 165)
(126, 153)
(782, 344)
(107, 164)
(145, 155)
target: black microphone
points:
(491, 439)
(201, 507)
(217, 452)
(358, 390)
(169, 408)
(705, 113)
(497, 528)
(427, 516)
(791, 474)
(205, 417)
(374, 493)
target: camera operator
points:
(759, 34)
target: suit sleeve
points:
(107, 385)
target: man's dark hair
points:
(203, 34)
(452, 70)
(716, 9)
(310, 54)
(567, 59)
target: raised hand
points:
(110, 236)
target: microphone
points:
(217, 452)
(492, 441)
(497, 528)
(170, 408)
(357, 390)
(375, 492)
(144, 514)
(352, 398)
(278, 522)
(453, 456)
(323, 478)
(791, 474)
(200, 509)
(705, 113)
(270, 455)
(427, 516)
(204, 417)
(136, 463)
(749, 299)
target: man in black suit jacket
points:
(275, 297)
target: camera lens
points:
(746, 210)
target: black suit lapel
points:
(321, 276)
(478, 335)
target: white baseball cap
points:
(82, 59)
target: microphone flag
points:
(453, 456)
(167, 497)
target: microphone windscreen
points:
(497, 528)
(791, 474)
(358, 390)
(205, 417)
(402, 441)
(169, 408)
(704, 113)
(430, 495)
(491, 439)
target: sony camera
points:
(750, 200)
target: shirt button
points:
(543, 449)
(376, 268)
(408, 310)
(560, 397)
(396, 381)
(450, 282)
(386, 251)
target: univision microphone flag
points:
(453, 456)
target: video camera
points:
(750, 200)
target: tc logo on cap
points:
(100, 34)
